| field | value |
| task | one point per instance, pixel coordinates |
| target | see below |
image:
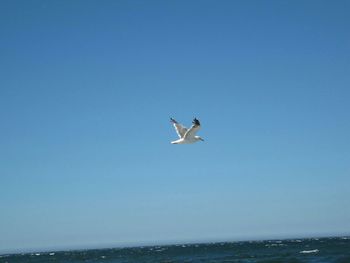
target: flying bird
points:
(187, 135)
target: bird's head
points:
(199, 138)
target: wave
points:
(309, 251)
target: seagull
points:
(187, 135)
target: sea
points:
(315, 250)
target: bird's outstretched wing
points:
(180, 129)
(194, 128)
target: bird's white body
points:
(186, 136)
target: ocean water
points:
(315, 250)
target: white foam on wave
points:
(309, 251)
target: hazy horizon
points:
(167, 243)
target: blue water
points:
(322, 250)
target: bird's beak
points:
(201, 139)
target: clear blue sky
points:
(86, 92)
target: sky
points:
(86, 92)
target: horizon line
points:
(127, 245)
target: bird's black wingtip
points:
(196, 122)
